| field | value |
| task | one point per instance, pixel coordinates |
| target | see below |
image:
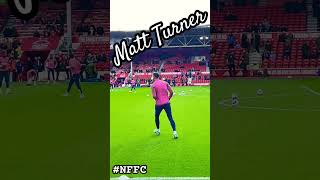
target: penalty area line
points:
(310, 90)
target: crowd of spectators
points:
(264, 26)
(214, 29)
(264, 50)
(90, 30)
(89, 61)
(10, 32)
(48, 25)
(11, 46)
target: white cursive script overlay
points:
(143, 40)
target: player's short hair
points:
(71, 56)
(156, 75)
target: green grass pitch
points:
(274, 136)
(44, 135)
(132, 141)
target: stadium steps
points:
(312, 22)
(161, 66)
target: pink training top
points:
(4, 64)
(50, 63)
(160, 91)
(75, 66)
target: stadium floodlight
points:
(204, 38)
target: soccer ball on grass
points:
(259, 92)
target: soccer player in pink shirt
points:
(75, 68)
(50, 65)
(4, 72)
(133, 85)
(162, 93)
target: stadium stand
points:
(45, 33)
(176, 68)
(269, 38)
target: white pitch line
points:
(310, 90)
(223, 101)
(225, 104)
(278, 109)
(167, 178)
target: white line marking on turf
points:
(224, 103)
(278, 109)
(168, 178)
(310, 90)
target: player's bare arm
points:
(170, 91)
(154, 93)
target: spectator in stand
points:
(255, 27)
(100, 31)
(255, 41)
(31, 71)
(18, 52)
(103, 57)
(36, 34)
(138, 83)
(282, 37)
(10, 32)
(230, 16)
(287, 50)
(318, 47)
(245, 41)
(92, 31)
(214, 48)
(214, 29)
(305, 50)
(272, 56)
(267, 50)
(231, 63)
(265, 25)
(247, 28)
(231, 39)
(186, 80)
(244, 62)
(288, 39)
(174, 82)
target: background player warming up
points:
(133, 85)
(75, 68)
(4, 72)
(160, 91)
